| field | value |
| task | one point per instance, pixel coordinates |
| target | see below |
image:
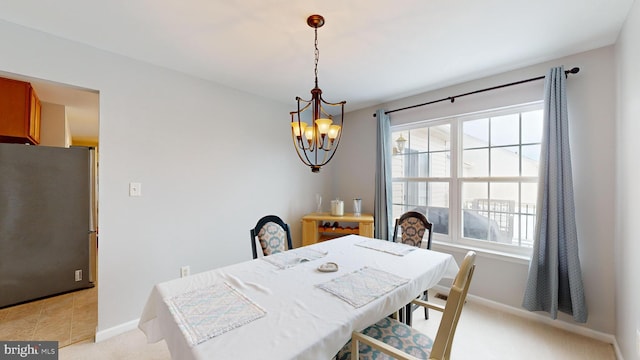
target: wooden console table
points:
(313, 229)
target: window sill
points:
(486, 253)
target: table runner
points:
(387, 246)
(362, 286)
(208, 312)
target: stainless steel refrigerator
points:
(47, 221)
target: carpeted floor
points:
(483, 333)
(486, 333)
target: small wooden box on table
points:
(313, 229)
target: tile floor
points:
(67, 318)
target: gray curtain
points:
(382, 205)
(555, 278)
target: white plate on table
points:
(328, 267)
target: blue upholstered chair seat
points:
(394, 333)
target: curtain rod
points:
(575, 70)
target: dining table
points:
(303, 303)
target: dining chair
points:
(400, 341)
(412, 226)
(273, 234)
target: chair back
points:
(413, 225)
(273, 234)
(444, 337)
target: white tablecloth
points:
(302, 321)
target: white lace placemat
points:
(362, 286)
(208, 312)
(387, 246)
(290, 258)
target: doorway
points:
(69, 118)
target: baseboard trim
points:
(617, 349)
(116, 330)
(576, 329)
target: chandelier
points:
(313, 131)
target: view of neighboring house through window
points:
(475, 176)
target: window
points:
(475, 176)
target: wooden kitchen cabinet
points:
(313, 229)
(19, 112)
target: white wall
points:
(591, 96)
(628, 193)
(53, 125)
(206, 177)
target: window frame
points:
(456, 180)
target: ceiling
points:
(371, 51)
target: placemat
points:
(362, 286)
(387, 246)
(290, 258)
(208, 312)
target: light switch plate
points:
(135, 189)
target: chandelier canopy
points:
(316, 127)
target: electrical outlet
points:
(78, 275)
(185, 271)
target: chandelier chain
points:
(317, 55)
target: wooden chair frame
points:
(442, 344)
